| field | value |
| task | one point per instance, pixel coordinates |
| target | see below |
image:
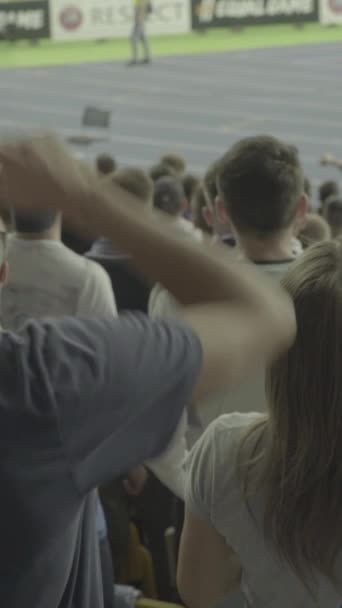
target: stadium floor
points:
(194, 105)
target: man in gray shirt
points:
(83, 401)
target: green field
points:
(52, 53)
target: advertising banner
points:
(106, 19)
(228, 13)
(24, 20)
(331, 12)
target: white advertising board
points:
(108, 19)
(331, 12)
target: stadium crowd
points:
(170, 394)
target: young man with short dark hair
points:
(261, 191)
(260, 184)
(259, 187)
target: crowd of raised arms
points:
(171, 381)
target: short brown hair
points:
(176, 162)
(105, 164)
(315, 230)
(136, 182)
(190, 184)
(261, 181)
(160, 170)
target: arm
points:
(208, 570)
(237, 314)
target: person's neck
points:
(276, 248)
(53, 234)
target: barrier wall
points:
(24, 20)
(230, 13)
(106, 19)
(69, 20)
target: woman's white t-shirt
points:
(213, 492)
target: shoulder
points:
(94, 271)
(211, 466)
(222, 438)
(162, 304)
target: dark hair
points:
(169, 195)
(35, 222)
(176, 162)
(261, 181)
(190, 184)
(210, 182)
(326, 189)
(136, 182)
(106, 164)
(160, 170)
(333, 214)
(198, 204)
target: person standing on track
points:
(142, 8)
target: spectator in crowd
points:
(106, 164)
(160, 170)
(261, 189)
(328, 160)
(327, 189)
(83, 401)
(199, 206)
(176, 163)
(135, 182)
(79, 242)
(220, 226)
(190, 184)
(47, 279)
(333, 214)
(316, 229)
(169, 197)
(260, 186)
(263, 492)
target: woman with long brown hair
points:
(264, 493)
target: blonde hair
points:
(297, 461)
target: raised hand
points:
(39, 172)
